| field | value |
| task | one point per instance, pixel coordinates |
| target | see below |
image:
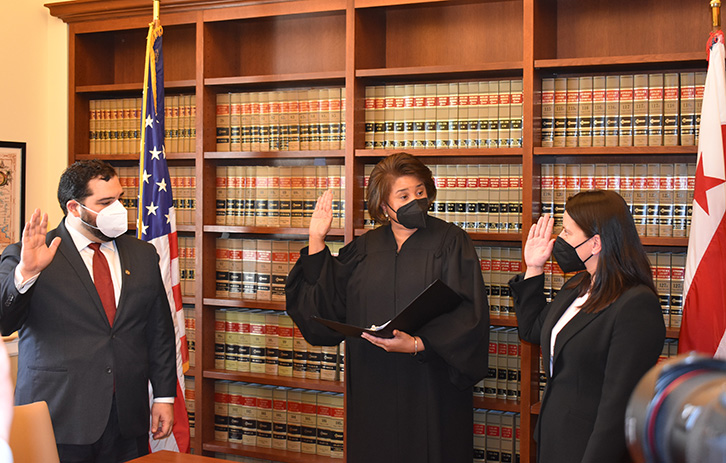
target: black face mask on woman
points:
(566, 256)
(412, 215)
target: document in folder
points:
(433, 301)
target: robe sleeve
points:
(316, 286)
(461, 337)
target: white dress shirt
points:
(569, 314)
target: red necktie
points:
(104, 284)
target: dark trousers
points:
(111, 447)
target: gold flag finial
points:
(716, 14)
(156, 10)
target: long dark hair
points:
(386, 172)
(622, 262)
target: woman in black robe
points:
(409, 398)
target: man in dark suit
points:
(89, 344)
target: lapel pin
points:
(127, 272)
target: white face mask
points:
(112, 220)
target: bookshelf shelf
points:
(296, 79)
(274, 380)
(265, 230)
(240, 46)
(283, 456)
(332, 154)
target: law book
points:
(279, 418)
(249, 414)
(625, 112)
(513, 360)
(548, 112)
(584, 111)
(293, 120)
(655, 109)
(262, 194)
(547, 192)
(264, 270)
(453, 115)
(284, 193)
(687, 118)
(235, 432)
(435, 300)
(235, 122)
(324, 118)
(245, 122)
(265, 99)
(279, 268)
(504, 115)
(430, 114)
(336, 175)
(304, 119)
(495, 193)
(296, 196)
(640, 197)
(369, 115)
(666, 199)
(221, 411)
(399, 125)
(472, 138)
(294, 419)
(272, 343)
(313, 362)
(257, 341)
(285, 330)
(309, 193)
(699, 84)
(640, 110)
(598, 110)
(314, 122)
(495, 304)
(308, 422)
(559, 195)
(442, 115)
(273, 197)
(235, 268)
(572, 124)
(299, 354)
(463, 116)
(678, 271)
(249, 269)
(337, 426)
(322, 442)
(483, 136)
(114, 123)
(185, 114)
(663, 284)
(612, 110)
(219, 338)
(670, 109)
(680, 199)
(263, 406)
(560, 111)
(389, 118)
(190, 399)
(572, 180)
(243, 318)
(627, 183)
(652, 185)
(508, 438)
(242, 195)
(223, 118)
(480, 434)
(587, 176)
(418, 116)
(494, 422)
(516, 114)
(490, 380)
(275, 140)
(222, 265)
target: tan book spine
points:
(419, 116)
(223, 118)
(627, 184)
(472, 137)
(245, 122)
(249, 414)
(273, 197)
(442, 115)
(257, 341)
(516, 114)
(256, 129)
(463, 115)
(221, 411)
(275, 143)
(266, 99)
(652, 198)
(559, 195)
(698, 87)
(285, 335)
(294, 120)
(453, 115)
(193, 125)
(560, 111)
(612, 110)
(297, 197)
(285, 195)
(640, 110)
(93, 126)
(235, 122)
(680, 199)
(670, 109)
(572, 126)
(299, 354)
(663, 284)
(640, 197)
(123, 123)
(584, 111)
(222, 268)
(504, 109)
(336, 118)
(324, 118)
(187, 103)
(379, 116)
(239, 181)
(687, 117)
(666, 198)
(369, 113)
(176, 117)
(598, 110)
(272, 343)
(279, 266)
(249, 269)
(219, 338)
(613, 177)
(548, 112)
(493, 114)
(114, 124)
(408, 117)
(678, 273)
(430, 122)
(335, 174)
(314, 97)
(626, 115)
(262, 195)
(396, 140)
(304, 119)
(235, 268)
(655, 109)
(309, 193)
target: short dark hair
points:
(386, 172)
(73, 183)
(622, 262)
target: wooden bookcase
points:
(219, 46)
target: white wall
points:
(34, 97)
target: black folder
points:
(433, 301)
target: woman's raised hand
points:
(320, 222)
(539, 245)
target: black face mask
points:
(412, 215)
(566, 256)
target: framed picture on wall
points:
(12, 192)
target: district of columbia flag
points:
(704, 288)
(156, 224)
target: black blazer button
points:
(108, 370)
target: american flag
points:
(157, 223)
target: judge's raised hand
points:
(539, 245)
(35, 255)
(320, 222)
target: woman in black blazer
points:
(600, 334)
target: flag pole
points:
(156, 9)
(715, 14)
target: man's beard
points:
(88, 222)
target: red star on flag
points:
(706, 183)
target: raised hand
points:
(320, 222)
(35, 255)
(539, 245)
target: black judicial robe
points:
(400, 407)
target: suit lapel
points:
(124, 259)
(68, 250)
